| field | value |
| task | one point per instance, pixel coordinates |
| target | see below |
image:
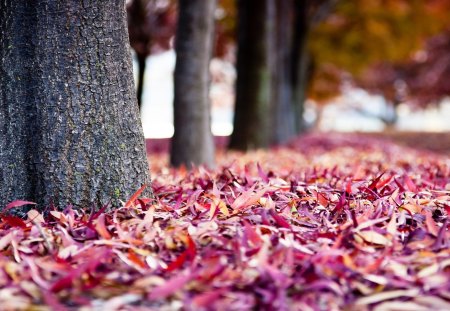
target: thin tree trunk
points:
(390, 118)
(69, 124)
(253, 86)
(142, 60)
(192, 142)
(283, 127)
(300, 63)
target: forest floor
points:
(328, 222)
(438, 142)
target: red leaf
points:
(62, 283)
(135, 259)
(101, 229)
(67, 281)
(98, 213)
(384, 182)
(341, 203)
(178, 262)
(14, 221)
(192, 249)
(373, 184)
(135, 196)
(188, 254)
(348, 187)
(322, 199)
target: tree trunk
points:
(300, 63)
(390, 118)
(192, 142)
(141, 60)
(69, 125)
(283, 126)
(253, 86)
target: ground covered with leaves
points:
(326, 223)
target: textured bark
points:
(69, 123)
(282, 116)
(192, 142)
(253, 85)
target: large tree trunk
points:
(253, 87)
(283, 126)
(192, 142)
(69, 124)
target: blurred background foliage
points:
(376, 38)
(399, 49)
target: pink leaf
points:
(17, 203)
(170, 287)
(431, 224)
(279, 219)
(205, 300)
(100, 227)
(251, 235)
(410, 184)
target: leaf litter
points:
(318, 225)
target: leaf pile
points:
(320, 226)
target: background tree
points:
(369, 42)
(420, 80)
(69, 126)
(192, 142)
(225, 30)
(253, 85)
(427, 72)
(273, 69)
(151, 26)
(283, 120)
(307, 15)
(387, 80)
